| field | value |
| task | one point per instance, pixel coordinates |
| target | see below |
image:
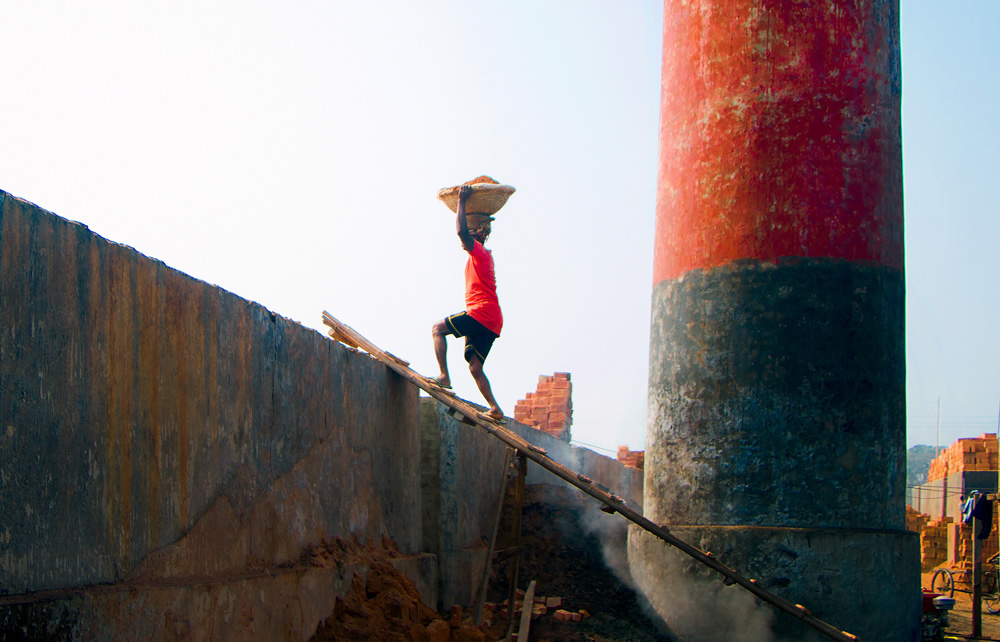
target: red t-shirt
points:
(481, 289)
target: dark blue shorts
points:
(478, 338)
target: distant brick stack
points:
(933, 537)
(942, 540)
(976, 453)
(962, 539)
(631, 458)
(915, 520)
(934, 543)
(550, 407)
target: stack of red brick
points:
(942, 541)
(631, 458)
(976, 453)
(933, 537)
(934, 543)
(915, 520)
(550, 407)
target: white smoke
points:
(612, 532)
(695, 604)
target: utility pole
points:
(937, 438)
(977, 571)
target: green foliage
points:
(918, 460)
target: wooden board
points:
(469, 414)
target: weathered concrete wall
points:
(156, 430)
(462, 476)
(177, 462)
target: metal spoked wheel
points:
(991, 590)
(943, 582)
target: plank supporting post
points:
(488, 562)
(522, 472)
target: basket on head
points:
(487, 197)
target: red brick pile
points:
(631, 458)
(962, 541)
(976, 453)
(550, 407)
(540, 606)
(915, 520)
(933, 537)
(942, 540)
(934, 543)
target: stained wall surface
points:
(178, 462)
(155, 426)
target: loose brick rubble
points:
(540, 607)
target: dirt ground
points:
(562, 556)
(960, 619)
(558, 553)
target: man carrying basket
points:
(482, 319)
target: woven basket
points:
(486, 198)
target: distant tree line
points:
(918, 461)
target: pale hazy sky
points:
(291, 152)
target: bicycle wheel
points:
(991, 590)
(943, 582)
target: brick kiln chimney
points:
(776, 427)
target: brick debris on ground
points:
(385, 606)
(566, 561)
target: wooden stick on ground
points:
(527, 609)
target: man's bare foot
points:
(441, 382)
(495, 415)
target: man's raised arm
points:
(462, 225)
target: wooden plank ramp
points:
(469, 414)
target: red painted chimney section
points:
(776, 430)
(780, 134)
